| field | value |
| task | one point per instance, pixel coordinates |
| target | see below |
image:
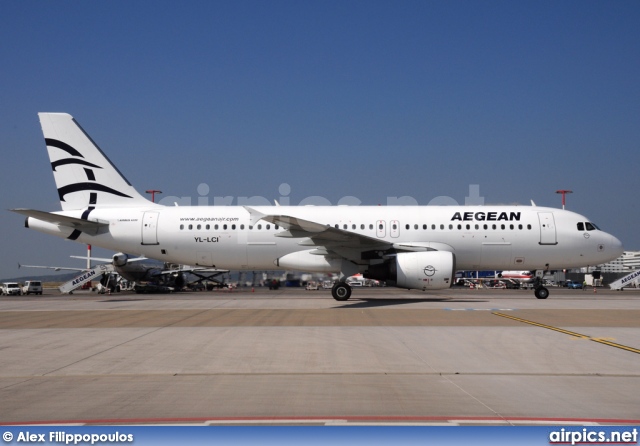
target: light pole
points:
(153, 193)
(564, 192)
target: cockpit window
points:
(591, 226)
(580, 226)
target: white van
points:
(11, 289)
(32, 287)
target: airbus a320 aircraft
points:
(413, 247)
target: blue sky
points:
(344, 98)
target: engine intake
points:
(120, 259)
(431, 270)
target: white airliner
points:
(413, 247)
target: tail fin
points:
(84, 176)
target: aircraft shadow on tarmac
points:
(123, 300)
(372, 303)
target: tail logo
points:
(81, 186)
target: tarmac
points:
(296, 357)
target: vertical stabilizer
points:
(84, 176)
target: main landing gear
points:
(341, 291)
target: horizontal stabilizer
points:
(87, 226)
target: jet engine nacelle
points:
(430, 270)
(120, 259)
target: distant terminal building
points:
(609, 272)
(627, 262)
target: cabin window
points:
(224, 227)
(208, 227)
(268, 226)
(424, 227)
(441, 226)
(468, 227)
(433, 226)
(361, 226)
(493, 226)
(233, 227)
(415, 226)
(510, 226)
(190, 227)
(199, 227)
(241, 226)
(520, 227)
(528, 226)
(370, 226)
(501, 226)
(485, 227)
(477, 227)
(181, 227)
(259, 226)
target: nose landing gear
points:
(540, 291)
(341, 291)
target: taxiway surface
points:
(300, 357)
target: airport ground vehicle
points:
(32, 287)
(11, 289)
(573, 284)
(312, 286)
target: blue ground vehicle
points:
(573, 284)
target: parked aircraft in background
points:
(520, 276)
(417, 247)
(147, 274)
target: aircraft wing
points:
(63, 220)
(319, 234)
(56, 268)
(333, 242)
(195, 270)
(109, 260)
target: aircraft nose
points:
(615, 246)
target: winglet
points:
(255, 215)
(533, 204)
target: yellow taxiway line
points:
(570, 333)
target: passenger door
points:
(547, 228)
(150, 228)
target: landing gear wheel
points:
(341, 291)
(542, 293)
